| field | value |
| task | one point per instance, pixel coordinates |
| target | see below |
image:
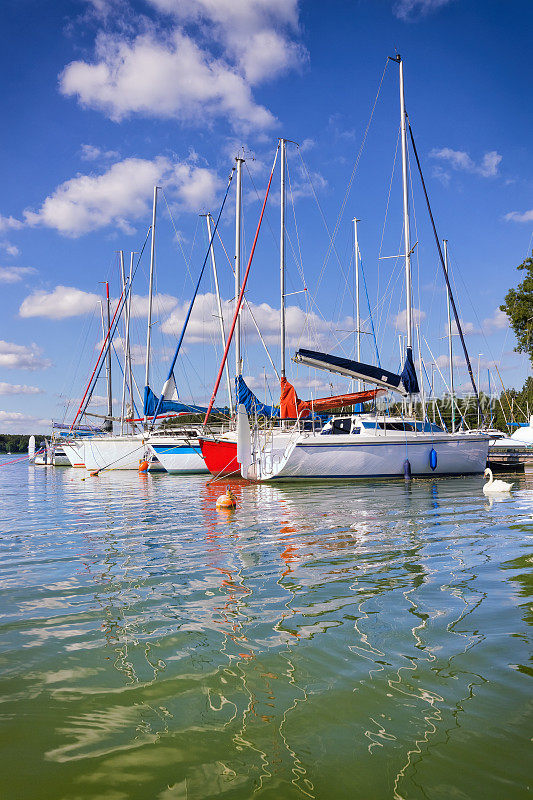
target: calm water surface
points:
(370, 640)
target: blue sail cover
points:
(171, 406)
(408, 376)
(251, 403)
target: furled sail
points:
(252, 404)
(403, 384)
(294, 408)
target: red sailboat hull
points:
(220, 456)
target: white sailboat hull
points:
(342, 457)
(74, 453)
(114, 452)
(179, 456)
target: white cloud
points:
(460, 160)
(123, 194)
(302, 328)
(499, 321)
(60, 303)
(67, 301)
(255, 33)
(517, 216)
(201, 67)
(444, 362)
(161, 304)
(17, 422)
(400, 320)
(468, 328)
(19, 356)
(168, 77)
(11, 249)
(15, 274)
(17, 388)
(89, 152)
(410, 9)
(9, 223)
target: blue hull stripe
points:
(177, 451)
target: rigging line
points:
(331, 238)
(452, 301)
(241, 294)
(287, 234)
(454, 397)
(189, 310)
(249, 309)
(352, 176)
(109, 336)
(385, 218)
(389, 194)
(178, 238)
(297, 261)
(309, 297)
(458, 272)
(416, 230)
(370, 311)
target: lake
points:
(355, 640)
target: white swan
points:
(495, 487)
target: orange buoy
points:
(227, 500)
(143, 466)
(94, 473)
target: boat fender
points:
(143, 466)
(433, 459)
(407, 470)
(227, 500)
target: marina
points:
(266, 400)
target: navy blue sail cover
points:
(252, 403)
(355, 369)
(408, 376)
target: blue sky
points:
(103, 99)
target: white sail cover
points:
(244, 440)
(170, 390)
(31, 448)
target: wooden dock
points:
(511, 459)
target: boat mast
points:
(123, 399)
(450, 343)
(219, 308)
(282, 258)
(150, 297)
(109, 422)
(406, 231)
(357, 312)
(238, 241)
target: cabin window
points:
(341, 425)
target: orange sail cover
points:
(291, 407)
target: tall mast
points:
(150, 296)
(109, 425)
(406, 231)
(128, 344)
(282, 259)
(357, 313)
(219, 308)
(124, 374)
(238, 241)
(450, 343)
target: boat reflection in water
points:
(322, 640)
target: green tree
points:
(518, 306)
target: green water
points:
(369, 640)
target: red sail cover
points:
(291, 407)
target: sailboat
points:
(369, 444)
